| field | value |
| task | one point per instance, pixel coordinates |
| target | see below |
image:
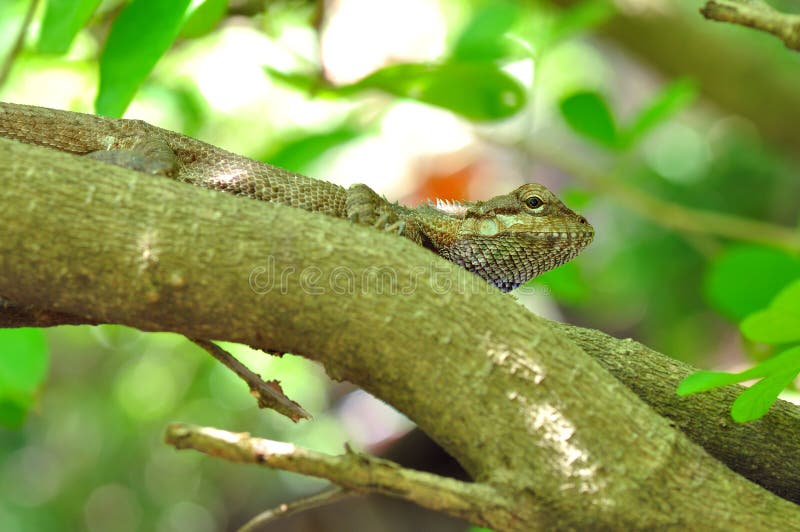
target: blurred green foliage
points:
(474, 90)
(741, 281)
(485, 36)
(110, 392)
(91, 437)
(469, 82)
(477, 91)
(589, 115)
(202, 17)
(744, 279)
(23, 365)
(62, 21)
(141, 34)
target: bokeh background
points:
(638, 113)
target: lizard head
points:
(510, 239)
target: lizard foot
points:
(389, 223)
(151, 156)
(365, 207)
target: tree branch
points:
(268, 393)
(762, 451)
(353, 471)
(285, 510)
(765, 450)
(524, 410)
(758, 15)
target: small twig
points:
(268, 393)
(323, 498)
(758, 15)
(18, 43)
(352, 471)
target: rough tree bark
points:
(554, 437)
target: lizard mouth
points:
(580, 238)
(571, 234)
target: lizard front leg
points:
(365, 207)
(151, 155)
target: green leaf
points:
(579, 17)
(755, 401)
(62, 21)
(670, 100)
(203, 18)
(23, 358)
(788, 299)
(483, 38)
(744, 279)
(12, 414)
(702, 381)
(771, 327)
(142, 32)
(302, 81)
(779, 322)
(588, 114)
(299, 153)
(23, 365)
(477, 91)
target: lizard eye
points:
(534, 202)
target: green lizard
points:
(506, 240)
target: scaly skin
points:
(506, 240)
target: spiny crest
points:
(449, 207)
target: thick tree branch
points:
(524, 410)
(756, 14)
(763, 451)
(14, 315)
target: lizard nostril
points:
(582, 220)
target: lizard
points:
(506, 240)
